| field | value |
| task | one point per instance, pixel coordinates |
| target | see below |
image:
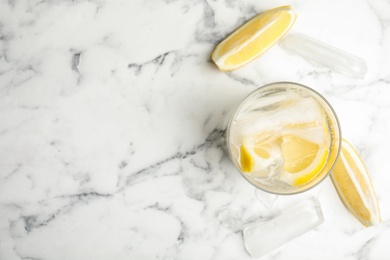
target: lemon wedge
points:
(297, 153)
(259, 154)
(303, 159)
(247, 160)
(353, 184)
(253, 38)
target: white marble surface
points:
(111, 128)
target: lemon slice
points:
(353, 184)
(253, 38)
(260, 155)
(297, 152)
(303, 159)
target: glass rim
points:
(245, 100)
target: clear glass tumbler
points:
(284, 138)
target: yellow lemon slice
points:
(259, 155)
(353, 184)
(303, 159)
(297, 153)
(253, 38)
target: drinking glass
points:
(269, 124)
(284, 139)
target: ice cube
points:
(322, 55)
(264, 237)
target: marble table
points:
(112, 121)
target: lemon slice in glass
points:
(260, 155)
(353, 184)
(297, 153)
(253, 38)
(303, 159)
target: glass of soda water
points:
(284, 138)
